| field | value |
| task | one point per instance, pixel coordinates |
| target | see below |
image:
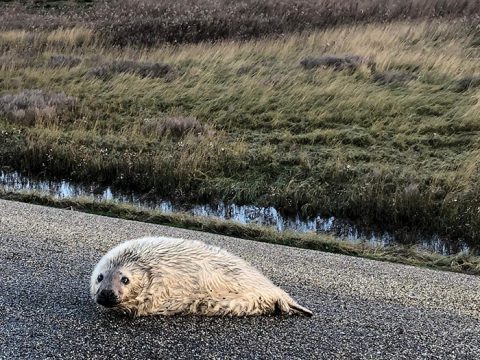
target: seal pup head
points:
(117, 282)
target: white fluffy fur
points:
(176, 276)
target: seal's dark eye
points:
(99, 277)
(124, 280)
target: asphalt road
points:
(362, 309)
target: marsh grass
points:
(33, 106)
(153, 22)
(272, 132)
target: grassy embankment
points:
(462, 262)
(389, 138)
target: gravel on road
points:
(363, 309)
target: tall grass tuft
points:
(31, 106)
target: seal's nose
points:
(107, 298)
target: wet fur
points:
(176, 276)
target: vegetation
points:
(32, 106)
(409, 255)
(108, 70)
(152, 22)
(377, 122)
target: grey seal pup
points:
(168, 276)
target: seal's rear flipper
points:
(289, 306)
(298, 309)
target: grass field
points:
(376, 122)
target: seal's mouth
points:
(107, 298)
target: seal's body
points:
(167, 276)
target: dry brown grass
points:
(150, 22)
(71, 37)
(32, 106)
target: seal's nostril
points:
(107, 294)
(107, 298)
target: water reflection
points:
(245, 214)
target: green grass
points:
(402, 154)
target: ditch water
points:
(244, 214)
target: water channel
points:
(244, 214)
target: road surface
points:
(363, 309)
